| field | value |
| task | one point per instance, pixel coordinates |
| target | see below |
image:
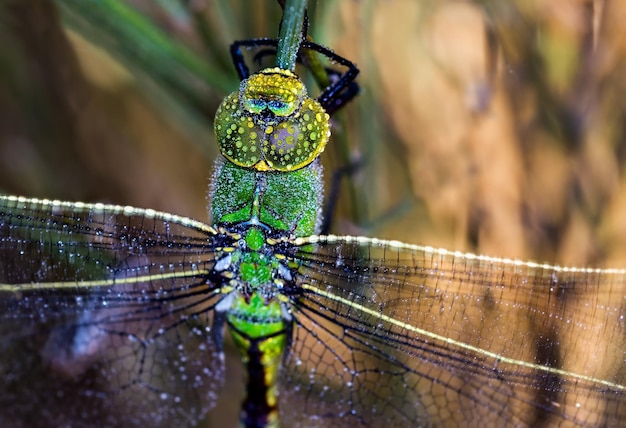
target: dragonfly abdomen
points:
(260, 332)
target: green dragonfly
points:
(116, 316)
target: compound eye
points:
(280, 108)
(298, 141)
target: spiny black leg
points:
(343, 97)
(331, 93)
(238, 60)
(333, 196)
(260, 55)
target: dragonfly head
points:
(271, 124)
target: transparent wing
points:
(104, 316)
(389, 334)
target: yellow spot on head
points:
(280, 91)
(262, 166)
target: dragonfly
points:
(117, 316)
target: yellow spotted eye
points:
(293, 144)
(271, 123)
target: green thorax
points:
(287, 202)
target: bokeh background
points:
(494, 127)
(491, 127)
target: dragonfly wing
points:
(104, 317)
(395, 335)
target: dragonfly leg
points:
(333, 196)
(343, 88)
(238, 60)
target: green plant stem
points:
(290, 34)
